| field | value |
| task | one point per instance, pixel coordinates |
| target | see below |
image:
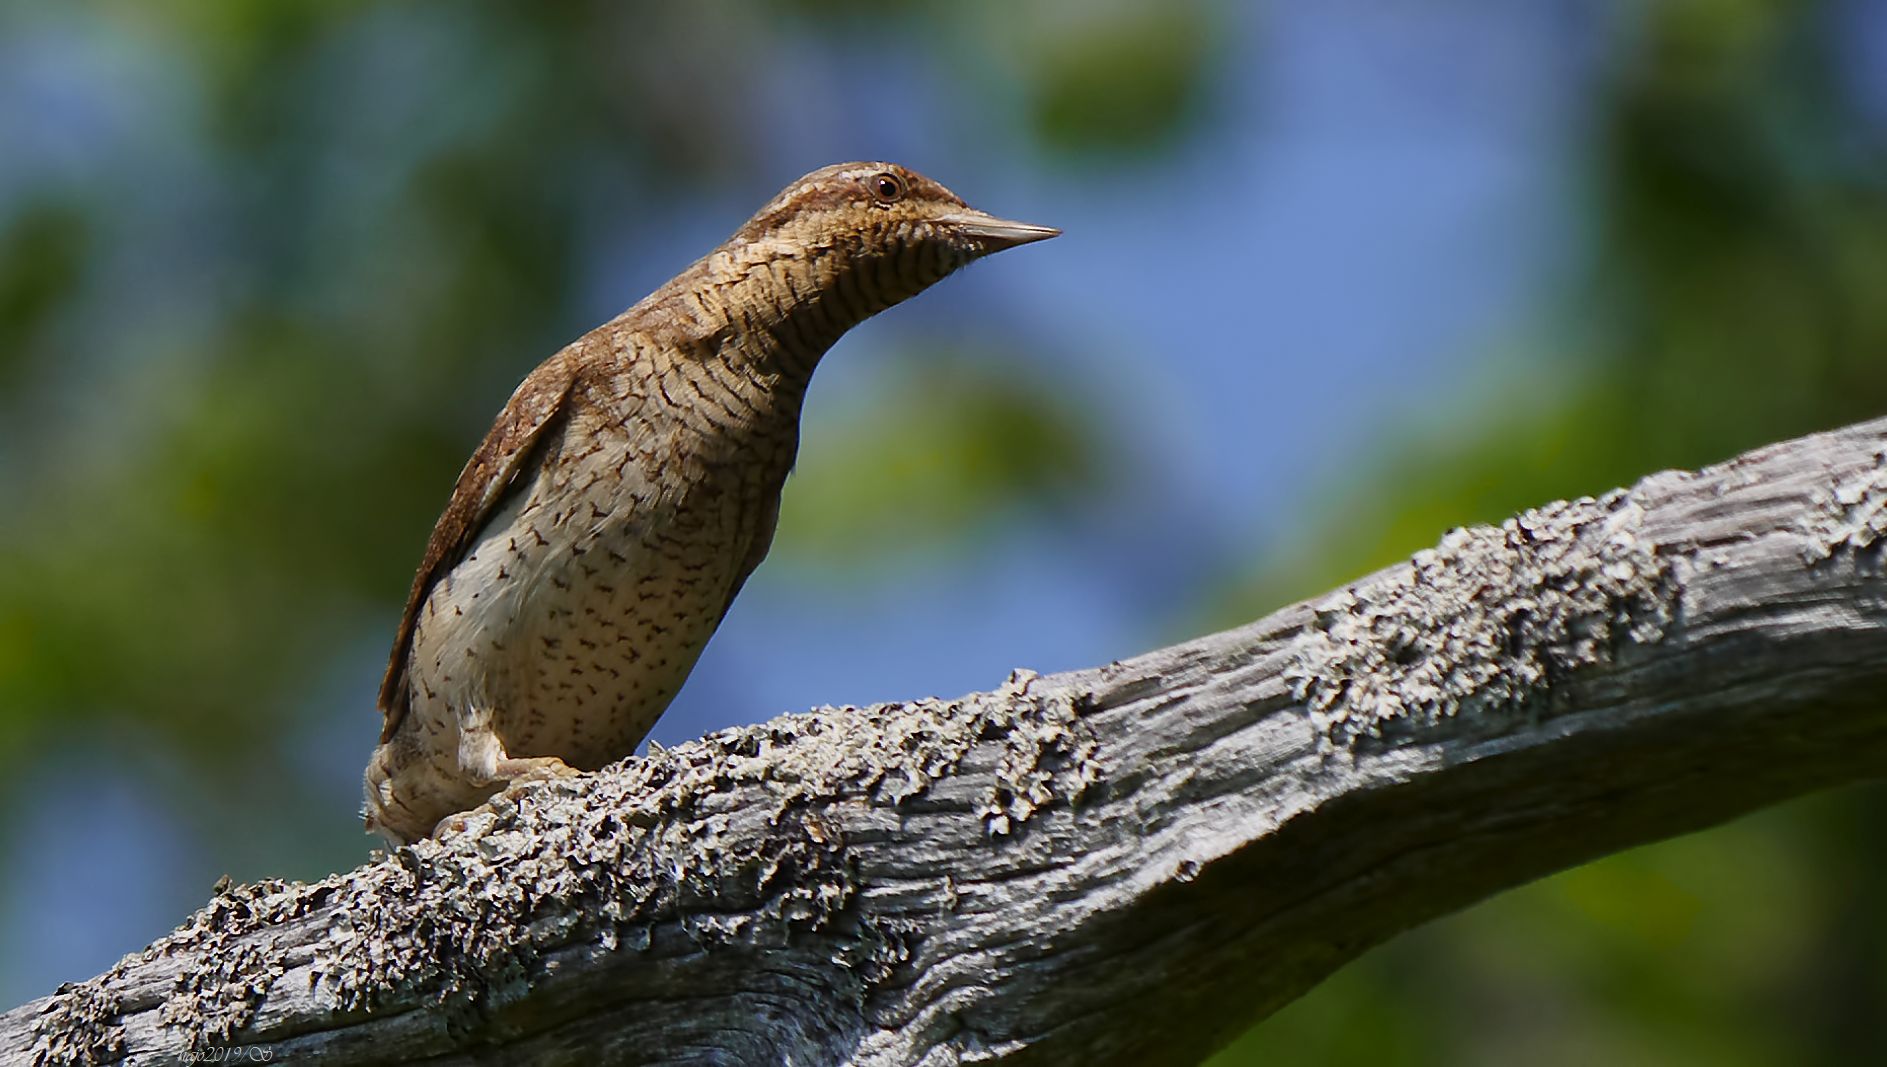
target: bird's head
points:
(890, 226)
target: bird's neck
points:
(768, 311)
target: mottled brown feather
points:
(629, 489)
(769, 520)
(484, 483)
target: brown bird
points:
(600, 531)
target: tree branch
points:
(1117, 864)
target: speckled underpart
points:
(600, 532)
(464, 920)
(1483, 621)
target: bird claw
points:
(518, 771)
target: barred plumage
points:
(598, 534)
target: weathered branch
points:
(1111, 866)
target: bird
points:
(603, 526)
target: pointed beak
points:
(992, 234)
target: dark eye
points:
(887, 187)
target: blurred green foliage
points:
(242, 359)
(1120, 80)
(1731, 297)
(950, 447)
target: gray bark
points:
(1117, 865)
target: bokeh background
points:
(1337, 276)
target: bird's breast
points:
(585, 601)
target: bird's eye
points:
(887, 187)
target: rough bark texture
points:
(1117, 865)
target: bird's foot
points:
(516, 771)
(517, 775)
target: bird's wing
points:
(537, 403)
